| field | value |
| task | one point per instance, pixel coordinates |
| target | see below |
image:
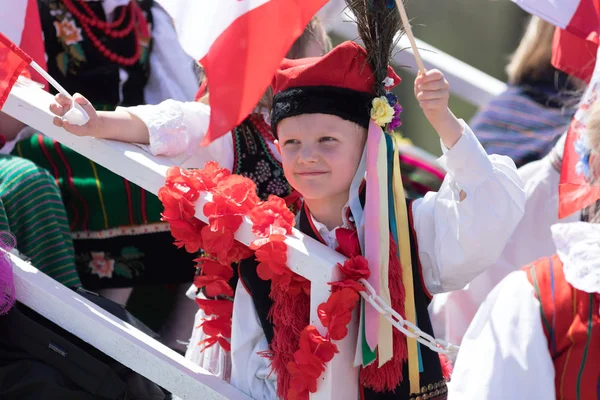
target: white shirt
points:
(451, 313)
(504, 354)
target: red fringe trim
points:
(290, 315)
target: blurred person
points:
(120, 52)
(537, 333)
(526, 120)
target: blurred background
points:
(482, 33)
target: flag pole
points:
(410, 35)
(50, 79)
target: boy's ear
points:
(277, 146)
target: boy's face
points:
(320, 154)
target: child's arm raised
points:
(117, 125)
(463, 228)
(432, 92)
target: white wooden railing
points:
(306, 257)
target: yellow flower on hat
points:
(381, 112)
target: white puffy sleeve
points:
(459, 239)
(504, 354)
(176, 130)
(250, 371)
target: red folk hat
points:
(339, 83)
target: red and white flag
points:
(581, 17)
(13, 61)
(575, 50)
(20, 23)
(240, 44)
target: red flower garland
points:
(233, 197)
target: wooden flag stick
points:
(410, 35)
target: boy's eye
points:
(327, 139)
(291, 141)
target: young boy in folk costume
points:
(321, 111)
(326, 112)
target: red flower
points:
(355, 268)
(177, 207)
(208, 266)
(217, 326)
(311, 342)
(237, 253)
(298, 284)
(239, 193)
(309, 362)
(207, 178)
(347, 242)
(273, 252)
(347, 283)
(217, 244)
(336, 313)
(270, 215)
(182, 181)
(296, 395)
(214, 285)
(220, 308)
(188, 234)
(212, 340)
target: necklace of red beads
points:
(88, 20)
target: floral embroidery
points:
(128, 264)
(101, 266)
(68, 32)
(582, 148)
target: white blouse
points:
(451, 313)
(504, 354)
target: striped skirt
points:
(32, 210)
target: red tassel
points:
(389, 376)
(446, 367)
(290, 315)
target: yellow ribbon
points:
(403, 234)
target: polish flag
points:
(20, 23)
(580, 17)
(574, 55)
(240, 44)
(575, 50)
(13, 61)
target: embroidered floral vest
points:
(571, 321)
(253, 158)
(79, 66)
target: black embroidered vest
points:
(253, 158)
(75, 62)
(433, 385)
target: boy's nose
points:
(307, 156)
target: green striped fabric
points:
(31, 209)
(94, 197)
